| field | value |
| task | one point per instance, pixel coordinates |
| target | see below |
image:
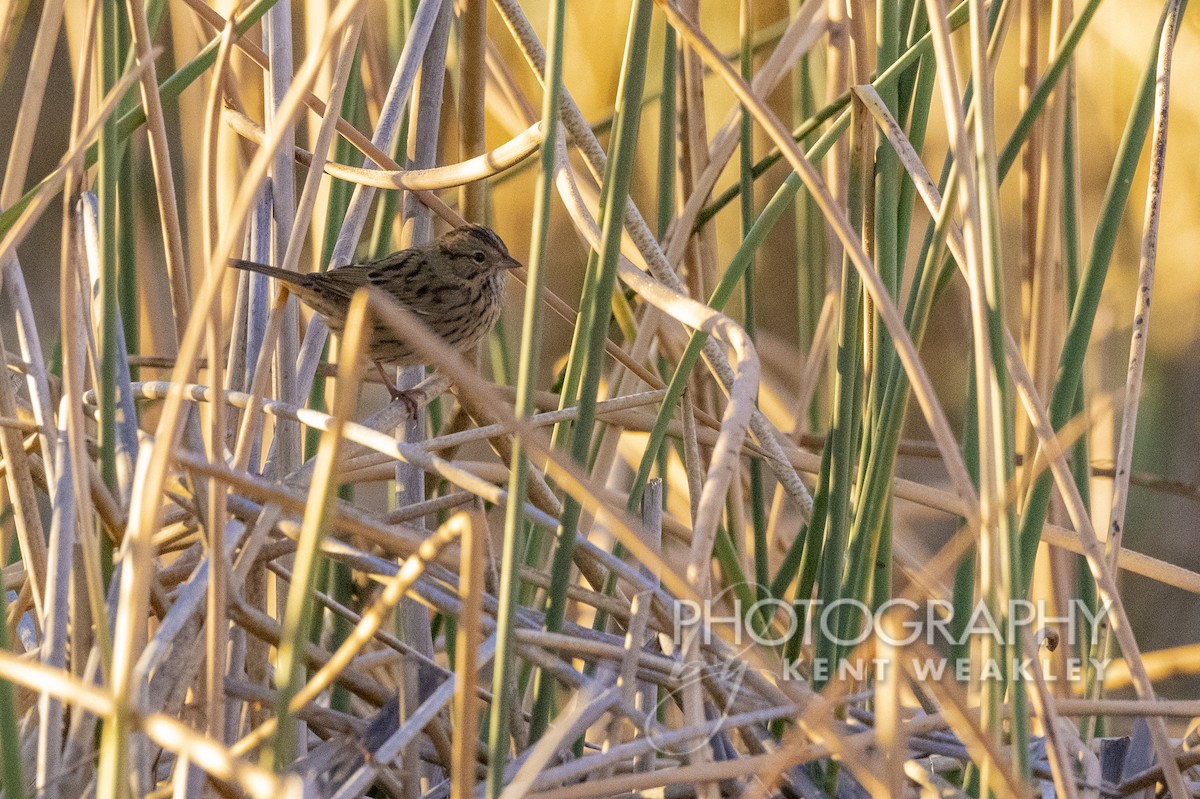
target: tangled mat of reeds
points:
(236, 569)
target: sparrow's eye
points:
(480, 256)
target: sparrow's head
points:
(475, 252)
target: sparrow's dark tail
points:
(294, 278)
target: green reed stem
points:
(592, 327)
(846, 421)
(107, 183)
(514, 543)
(758, 511)
(666, 135)
(10, 737)
(112, 779)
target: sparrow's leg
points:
(410, 402)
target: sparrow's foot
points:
(409, 398)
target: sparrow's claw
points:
(409, 398)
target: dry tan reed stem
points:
(480, 168)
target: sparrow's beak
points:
(512, 263)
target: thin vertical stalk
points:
(317, 511)
(277, 36)
(211, 493)
(470, 636)
(746, 177)
(889, 217)
(513, 546)
(1087, 298)
(809, 232)
(385, 130)
(836, 79)
(1148, 257)
(843, 425)
(470, 108)
(216, 628)
(854, 577)
(346, 82)
(345, 92)
(425, 109)
(592, 330)
(53, 650)
(160, 163)
(978, 186)
(1037, 101)
(997, 444)
(915, 105)
(127, 265)
(1029, 12)
(399, 21)
(666, 135)
(10, 737)
(1140, 329)
(107, 174)
(1080, 454)
(113, 778)
(72, 419)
